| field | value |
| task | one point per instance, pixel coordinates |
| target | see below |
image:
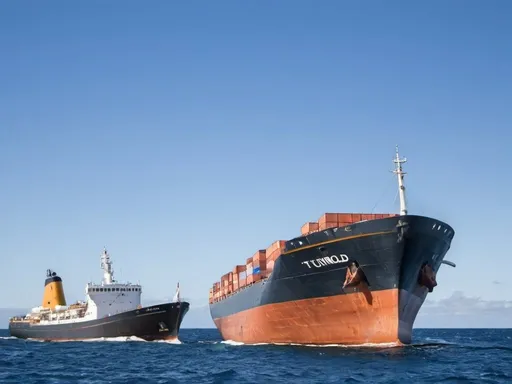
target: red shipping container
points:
(242, 283)
(260, 255)
(274, 255)
(309, 227)
(345, 218)
(328, 217)
(356, 217)
(261, 264)
(250, 279)
(280, 244)
(326, 225)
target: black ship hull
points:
(157, 322)
(303, 301)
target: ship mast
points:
(400, 175)
(108, 270)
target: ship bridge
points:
(111, 297)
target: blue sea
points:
(436, 356)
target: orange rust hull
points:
(356, 318)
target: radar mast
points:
(106, 265)
(401, 187)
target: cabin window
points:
(101, 289)
(117, 289)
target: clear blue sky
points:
(184, 136)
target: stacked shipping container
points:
(332, 220)
(238, 277)
(308, 228)
(259, 267)
(261, 263)
(273, 252)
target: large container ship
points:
(349, 278)
(112, 309)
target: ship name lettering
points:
(327, 260)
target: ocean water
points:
(436, 356)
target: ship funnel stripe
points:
(52, 279)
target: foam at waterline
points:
(175, 341)
(103, 339)
(117, 339)
(365, 345)
(231, 342)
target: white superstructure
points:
(110, 297)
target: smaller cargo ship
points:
(111, 309)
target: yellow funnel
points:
(53, 291)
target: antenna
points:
(106, 265)
(400, 175)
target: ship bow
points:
(426, 243)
